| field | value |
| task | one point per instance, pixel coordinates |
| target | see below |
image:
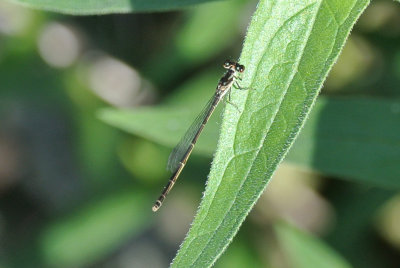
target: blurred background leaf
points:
(338, 138)
(303, 250)
(96, 230)
(106, 7)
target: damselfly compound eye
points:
(239, 68)
(227, 64)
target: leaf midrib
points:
(257, 150)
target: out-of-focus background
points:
(77, 192)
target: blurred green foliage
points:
(76, 7)
(306, 251)
(76, 192)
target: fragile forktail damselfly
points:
(182, 151)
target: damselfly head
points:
(239, 68)
(232, 65)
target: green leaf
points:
(338, 138)
(241, 254)
(166, 124)
(289, 49)
(356, 139)
(78, 7)
(94, 231)
(306, 251)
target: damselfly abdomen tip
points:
(156, 206)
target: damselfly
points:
(182, 151)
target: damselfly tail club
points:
(182, 151)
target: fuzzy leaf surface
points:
(289, 49)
